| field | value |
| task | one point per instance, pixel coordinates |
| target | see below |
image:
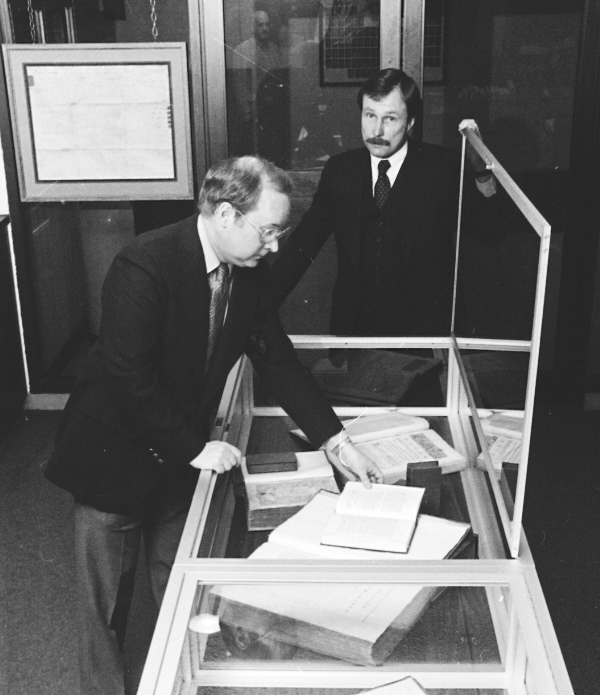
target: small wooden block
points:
(272, 463)
(427, 474)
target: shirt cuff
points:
(488, 188)
(335, 444)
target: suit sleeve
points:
(305, 242)
(289, 381)
(129, 392)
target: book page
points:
(380, 501)
(392, 454)
(501, 449)
(367, 531)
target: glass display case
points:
(256, 603)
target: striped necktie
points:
(382, 186)
(218, 281)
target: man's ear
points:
(225, 213)
(410, 125)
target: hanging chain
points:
(153, 18)
(31, 20)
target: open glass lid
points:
(502, 258)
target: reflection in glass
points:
(292, 71)
(360, 624)
(496, 282)
(374, 377)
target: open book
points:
(393, 440)
(434, 538)
(360, 623)
(383, 517)
(503, 434)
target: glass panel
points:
(355, 624)
(292, 75)
(375, 377)
(217, 690)
(510, 65)
(499, 263)
(71, 245)
(415, 448)
(497, 268)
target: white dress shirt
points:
(487, 188)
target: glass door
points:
(65, 248)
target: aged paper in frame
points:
(99, 122)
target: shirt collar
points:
(210, 256)
(396, 161)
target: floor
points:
(38, 639)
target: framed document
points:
(100, 121)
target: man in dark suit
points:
(179, 306)
(392, 208)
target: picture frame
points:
(434, 42)
(349, 42)
(100, 122)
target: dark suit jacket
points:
(140, 410)
(420, 219)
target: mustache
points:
(377, 141)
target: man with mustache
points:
(392, 208)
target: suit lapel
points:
(358, 178)
(194, 298)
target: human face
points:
(241, 242)
(261, 27)
(384, 124)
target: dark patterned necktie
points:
(218, 281)
(382, 186)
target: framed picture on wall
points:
(348, 41)
(434, 42)
(100, 121)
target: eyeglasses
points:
(267, 235)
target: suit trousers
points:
(107, 547)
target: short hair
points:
(240, 181)
(381, 83)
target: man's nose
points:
(273, 245)
(379, 126)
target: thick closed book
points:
(383, 517)
(274, 497)
(359, 623)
